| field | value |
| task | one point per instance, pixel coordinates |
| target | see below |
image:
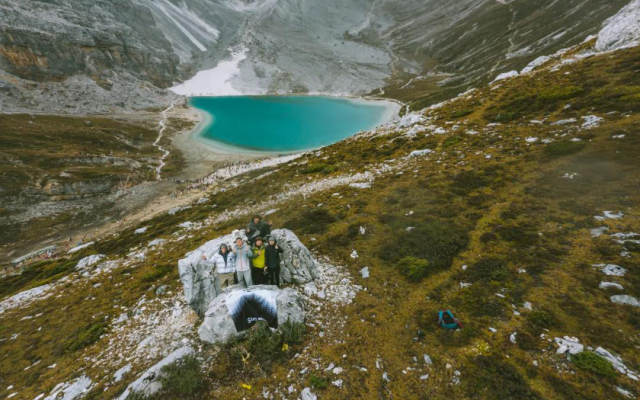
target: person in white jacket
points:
(224, 262)
(243, 254)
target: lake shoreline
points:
(392, 109)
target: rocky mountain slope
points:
(89, 56)
(515, 205)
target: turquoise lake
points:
(286, 123)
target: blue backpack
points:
(447, 320)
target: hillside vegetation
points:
(59, 173)
(493, 218)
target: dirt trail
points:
(158, 206)
(158, 196)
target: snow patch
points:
(215, 81)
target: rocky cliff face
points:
(127, 49)
(52, 40)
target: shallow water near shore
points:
(283, 124)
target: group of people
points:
(252, 262)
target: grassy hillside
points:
(496, 223)
(59, 171)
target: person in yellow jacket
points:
(258, 262)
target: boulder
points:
(297, 266)
(219, 325)
(89, 261)
(197, 279)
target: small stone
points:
(307, 394)
(161, 290)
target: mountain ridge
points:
(340, 47)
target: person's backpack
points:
(448, 321)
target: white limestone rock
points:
(609, 215)
(197, 278)
(626, 300)
(622, 30)
(506, 75)
(591, 121)
(418, 153)
(307, 394)
(149, 383)
(297, 264)
(89, 261)
(410, 120)
(607, 285)
(569, 344)
(218, 325)
(535, 64)
(611, 269)
(71, 390)
(616, 362)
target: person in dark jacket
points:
(257, 227)
(272, 261)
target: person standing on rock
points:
(242, 256)
(257, 268)
(225, 266)
(209, 265)
(272, 261)
(257, 227)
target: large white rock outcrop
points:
(197, 279)
(219, 326)
(622, 30)
(297, 266)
